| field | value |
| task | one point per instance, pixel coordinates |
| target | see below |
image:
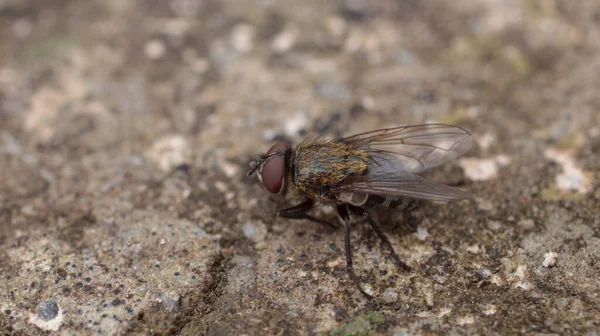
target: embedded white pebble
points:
(486, 141)
(465, 320)
(572, 178)
(474, 249)
(490, 309)
(550, 259)
(285, 40)
(294, 124)
(525, 285)
(483, 169)
(443, 312)
(242, 38)
(169, 300)
(368, 289)
(422, 233)
(526, 224)
(229, 169)
(389, 295)
(155, 49)
(170, 152)
(496, 280)
(255, 231)
(520, 272)
(221, 186)
(484, 204)
(519, 278)
(495, 225)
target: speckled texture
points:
(126, 127)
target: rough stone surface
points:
(126, 128)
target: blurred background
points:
(126, 127)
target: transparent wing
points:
(397, 154)
(404, 184)
(412, 148)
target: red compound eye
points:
(273, 171)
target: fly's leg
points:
(343, 212)
(300, 212)
(364, 214)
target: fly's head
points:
(272, 168)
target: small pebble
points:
(255, 231)
(474, 249)
(484, 204)
(490, 309)
(550, 259)
(170, 301)
(294, 124)
(573, 177)
(484, 273)
(242, 38)
(389, 295)
(483, 169)
(170, 152)
(494, 225)
(465, 320)
(47, 310)
(284, 41)
(486, 141)
(422, 233)
(526, 224)
(155, 49)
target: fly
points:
(363, 172)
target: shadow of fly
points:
(363, 172)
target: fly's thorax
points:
(320, 166)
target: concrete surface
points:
(126, 127)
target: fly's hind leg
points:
(300, 212)
(364, 214)
(343, 212)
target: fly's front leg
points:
(364, 214)
(300, 212)
(343, 212)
